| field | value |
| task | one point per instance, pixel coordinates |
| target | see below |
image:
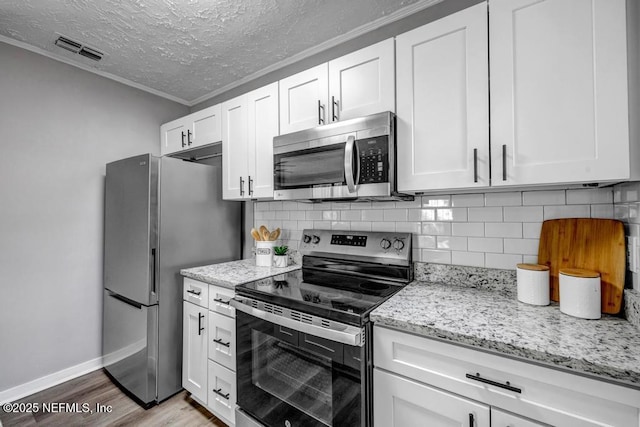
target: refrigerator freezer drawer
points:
(130, 345)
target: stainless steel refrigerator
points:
(161, 215)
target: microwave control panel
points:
(374, 160)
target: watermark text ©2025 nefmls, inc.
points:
(56, 407)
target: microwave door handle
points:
(348, 163)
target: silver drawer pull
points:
(220, 300)
(226, 344)
(506, 386)
(191, 291)
(219, 393)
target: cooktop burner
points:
(335, 296)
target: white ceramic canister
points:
(264, 253)
(580, 293)
(533, 283)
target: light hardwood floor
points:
(96, 388)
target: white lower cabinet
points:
(209, 348)
(400, 402)
(424, 382)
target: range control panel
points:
(395, 248)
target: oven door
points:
(289, 378)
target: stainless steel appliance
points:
(351, 159)
(161, 215)
(303, 339)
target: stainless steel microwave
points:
(351, 159)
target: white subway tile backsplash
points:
(395, 214)
(340, 206)
(290, 206)
(452, 214)
(567, 211)
(351, 215)
(523, 213)
(362, 205)
(383, 226)
(421, 215)
(621, 212)
(590, 196)
(451, 243)
(485, 244)
(530, 259)
(264, 206)
(436, 256)
(436, 201)
(305, 224)
(322, 225)
(313, 215)
(473, 259)
(503, 229)
(372, 215)
(415, 203)
(521, 246)
(491, 214)
(602, 211)
(504, 261)
(436, 228)
(341, 225)
(425, 242)
(409, 227)
(467, 200)
(282, 214)
(474, 229)
(297, 215)
(275, 206)
(503, 199)
(531, 230)
(330, 215)
(361, 226)
(533, 198)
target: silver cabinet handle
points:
(220, 300)
(475, 165)
(191, 291)
(348, 163)
(226, 344)
(200, 327)
(183, 144)
(219, 393)
(250, 186)
(241, 186)
(506, 386)
(504, 162)
(334, 109)
(189, 137)
(320, 113)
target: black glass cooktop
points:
(335, 296)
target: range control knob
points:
(385, 244)
(398, 244)
(306, 238)
(315, 239)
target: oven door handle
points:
(349, 334)
(348, 163)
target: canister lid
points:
(579, 272)
(533, 267)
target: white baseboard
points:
(50, 380)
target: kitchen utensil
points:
(533, 284)
(590, 244)
(274, 234)
(264, 232)
(580, 293)
(256, 234)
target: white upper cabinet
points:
(443, 103)
(249, 123)
(559, 100)
(357, 84)
(195, 130)
(362, 82)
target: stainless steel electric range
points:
(304, 339)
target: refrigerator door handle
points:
(126, 300)
(153, 273)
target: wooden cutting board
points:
(590, 244)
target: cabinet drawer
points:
(196, 292)
(219, 298)
(222, 392)
(547, 395)
(222, 340)
(501, 418)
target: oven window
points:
(301, 379)
(308, 168)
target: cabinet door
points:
(194, 350)
(222, 392)
(362, 82)
(559, 108)
(501, 418)
(303, 99)
(263, 126)
(173, 137)
(399, 402)
(234, 149)
(222, 340)
(205, 127)
(443, 109)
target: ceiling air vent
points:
(79, 48)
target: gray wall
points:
(59, 126)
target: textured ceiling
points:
(188, 49)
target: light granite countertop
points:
(608, 348)
(231, 274)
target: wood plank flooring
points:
(96, 388)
